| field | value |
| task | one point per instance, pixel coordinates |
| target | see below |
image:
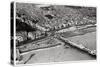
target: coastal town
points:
(49, 32)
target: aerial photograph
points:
(49, 33)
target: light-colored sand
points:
(57, 54)
(60, 54)
(88, 40)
